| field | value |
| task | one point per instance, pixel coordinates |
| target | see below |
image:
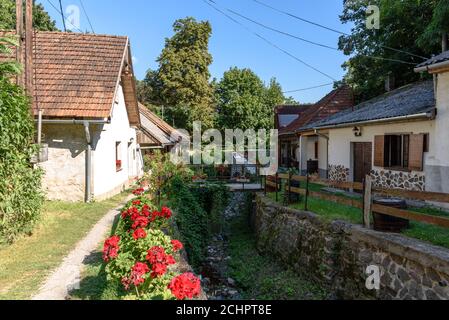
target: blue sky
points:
(149, 22)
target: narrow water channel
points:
(215, 280)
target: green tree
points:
(20, 184)
(438, 27)
(181, 82)
(41, 19)
(402, 23)
(244, 102)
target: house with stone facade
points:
(390, 137)
(299, 145)
(85, 96)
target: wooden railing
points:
(366, 189)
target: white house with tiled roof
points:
(84, 88)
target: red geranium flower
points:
(166, 212)
(139, 234)
(177, 245)
(158, 269)
(139, 191)
(136, 202)
(140, 222)
(137, 273)
(156, 255)
(185, 286)
(159, 260)
(111, 248)
(146, 211)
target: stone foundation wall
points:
(337, 254)
(399, 179)
(338, 173)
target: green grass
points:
(260, 277)
(25, 264)
(94, 284)
(329, 211)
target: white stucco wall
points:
(106, 179)
(322, 154)
(437, 163)
(340, 142)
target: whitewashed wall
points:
(107, 181)
(340, 140)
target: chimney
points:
(444, 42)
(19, 33)
(389, 82)
(29, 47)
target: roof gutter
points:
(73, 121)
(424, 115)
(432, 67)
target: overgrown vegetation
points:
(197, 214)
(261, 277)
(20, 184)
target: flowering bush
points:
(140, 254)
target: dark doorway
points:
(362, 160)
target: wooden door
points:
(362, 160)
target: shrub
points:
(140, 254)
(20, 184)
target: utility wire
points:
(211, 4)
(87, 16)
(309, 41)
(328, 28)
(57, 10)
(62, 15)
(309, 88)
(280, 31)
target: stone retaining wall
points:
(337, 254)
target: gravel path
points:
(68, 275)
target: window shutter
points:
(379, 151)
(416, 154)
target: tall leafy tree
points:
(402, 24)
(244, 102)
(181, 82)
(41, 19)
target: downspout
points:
(88, 162)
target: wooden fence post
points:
(276, 187)
(289, 187)
(307, 193)
(367, 201)
(265, 185)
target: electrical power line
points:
(280, 31)
(211, 4)
(309, 41)
(309, 88)
(328, 28)
(87, 16)
(59, 11)
(62, 15)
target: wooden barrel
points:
(386, 223)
